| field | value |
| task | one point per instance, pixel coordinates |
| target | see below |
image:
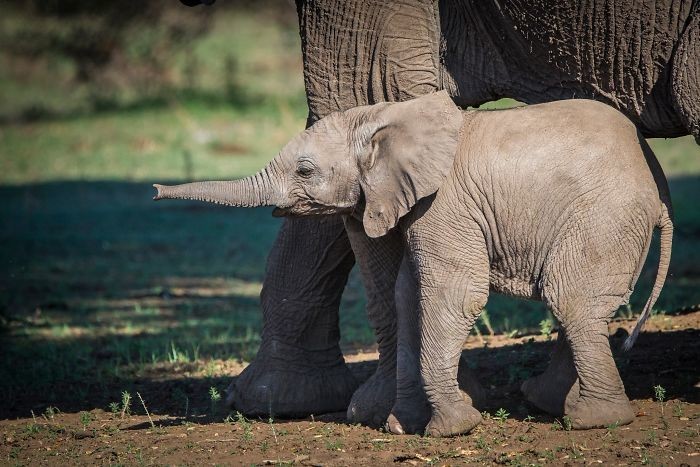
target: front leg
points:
(379, 260)
(453, 275)
(411, 411)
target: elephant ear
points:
(404, 151)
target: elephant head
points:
(377, 159)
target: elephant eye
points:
(305, 168)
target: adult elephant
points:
(639, 56)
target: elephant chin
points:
(312, 209)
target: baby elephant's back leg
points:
(590, 274)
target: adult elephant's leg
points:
(359, 52)
(686, 76)
(379, 260)
(299, 369)
(355, 52)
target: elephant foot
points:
(371, 403)
(408, 418)
(456, 418)
(596, 413)
(291, 388)
(411, 411)
(549, 393)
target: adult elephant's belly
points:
(653, 113)
(620, 53)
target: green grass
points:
(102, 289)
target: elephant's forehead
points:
(322, 136)
(330, 125)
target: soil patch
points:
(663, 364)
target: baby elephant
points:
(555, 202)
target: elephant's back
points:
(551, 161)
(538, 175)
(578, 139)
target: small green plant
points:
(481, 443)
(51, 412)
(651, 438)
(126, 404)
(660, 395)
(613, 426)
(664, 424)
(485, 415)
(214, 394)
(14, 452)
(501, 415)
(33, 427)
(678, 409)
(115, 408)
(529, 418)
(513, 334)
(556, 425)
(85, 419)
(548, 454)
(379, 444)
(334, 444)
(245, 425)
(546, 328)
(576, 453)
(566, 423)
(214, 398)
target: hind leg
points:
(590, 275)
(601, 398)
(685, 78)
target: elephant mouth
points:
(310, 209)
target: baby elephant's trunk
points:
(253, 191)
(665, 224)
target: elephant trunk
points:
(260, 189)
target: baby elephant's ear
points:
(405, 150)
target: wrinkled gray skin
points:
(639, 56)
(555, 202)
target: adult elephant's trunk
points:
(260, 189)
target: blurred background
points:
(100, 287)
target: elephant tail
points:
(665, 225)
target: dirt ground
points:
(661, 375)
